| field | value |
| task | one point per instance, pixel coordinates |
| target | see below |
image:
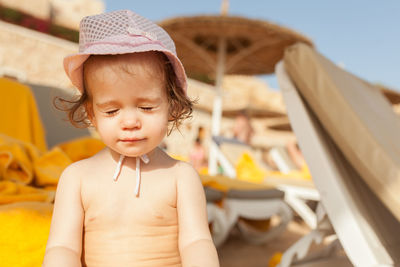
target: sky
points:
(362, 36)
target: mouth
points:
(131, 140)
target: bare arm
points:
(195, 243)
(64, 245)
(295, 154)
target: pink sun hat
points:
(120, 32)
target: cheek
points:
(103, 125)
(159, 125)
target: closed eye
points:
(111, 112)
(147, 108)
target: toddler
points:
(130, 204)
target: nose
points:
(130, 120)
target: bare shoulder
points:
(177, 166)
(187, 176)
(70, 180)
(76, 169)
(79, 169)
(182, 171)
(186, 169)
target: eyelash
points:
(147, 108)
(112, 112)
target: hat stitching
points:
(124, 44)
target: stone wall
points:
(33, 57)
(67, 13)
(36, 8)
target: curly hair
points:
(180, 106)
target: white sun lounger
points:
(217, 216)
(251, 204)
(349, 135)
(297, 192)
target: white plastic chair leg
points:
(220, 224)
(259, 210)
(300, 249)
(296, 197)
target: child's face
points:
(129, 110)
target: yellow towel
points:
(16, 159)
(19, 115)
(49, 167)
(23, 162)
(302, 174)
(224, 183)
(82, 148)
(247, 170)
(275, 259)
(24, 229)
(11, 192)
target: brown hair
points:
(180, 106)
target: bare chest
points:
(112, 204)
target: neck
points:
(115, 155)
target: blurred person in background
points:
(242, 129)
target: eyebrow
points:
(149, 99)
(155, 99)
(106, 104)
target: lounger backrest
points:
(357, 116)
(58, 128)
(366, 228)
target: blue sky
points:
(361, 35)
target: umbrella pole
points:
(217, 108)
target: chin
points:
(133, 152)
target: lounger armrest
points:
(256, 194)
(220, 140)
(213, 195)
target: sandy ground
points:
(237, 252)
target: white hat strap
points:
(144, 158)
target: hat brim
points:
(73, 64)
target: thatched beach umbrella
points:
(391, 95)
(272, 132)
(212, 46)
(240, 94)
(279, 124)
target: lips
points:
(131, 139)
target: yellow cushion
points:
(19, 115)
(11, 192)
(24, 229)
